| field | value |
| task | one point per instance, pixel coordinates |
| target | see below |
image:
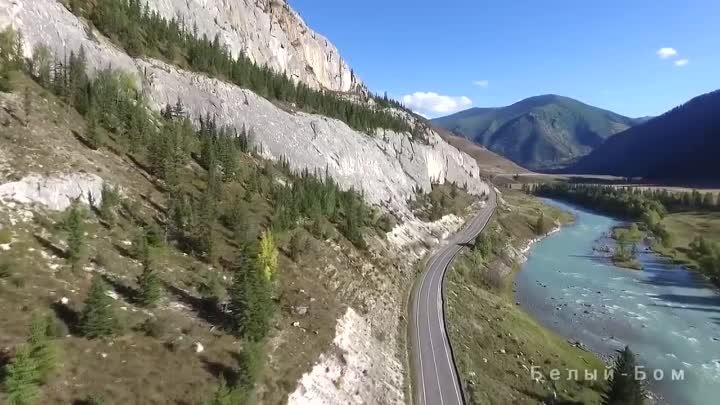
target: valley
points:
(202, 203)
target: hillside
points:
(491, 164)
(682, 144)
(138, 160)
(543, 132)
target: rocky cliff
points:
(387, 166)
(270, 33)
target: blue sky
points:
(442, 57)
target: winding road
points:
(435, 379)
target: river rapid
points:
(668, 315)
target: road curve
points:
(435, 379)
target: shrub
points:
(5, 236)
(6, 270)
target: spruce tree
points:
(75, 227)
(98, 317)
(21, 378)
(623, 388)
(92, 132)
(43, 349)
(27, 105)
(149, 282)
(251, 303)
(110, 198)
(225, 394)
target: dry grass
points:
(686, 226)
(163, 369)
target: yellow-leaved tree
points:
(268, 255)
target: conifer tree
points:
(92, 132)
(225, 394)
(149, 282)
(110, 198)
(43, 350)
(21, 377)
(251, 304)
(98, 317)
(623, 388)
(27, 105)
(75, 227)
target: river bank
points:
(497, 344)
(667, 314)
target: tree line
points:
(144, 32)
(647, 207)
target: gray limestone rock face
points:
(270, 33)
(386, 166)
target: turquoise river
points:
(668, 315)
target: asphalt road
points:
(435, 377)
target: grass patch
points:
(684, 227)
(495, 342)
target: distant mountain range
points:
(682, 144)
(540, 133)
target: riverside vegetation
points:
(679, 224)
(496, 344)
(203, 222)
(494, 341)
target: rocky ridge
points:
(388, 166)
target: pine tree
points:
(623, 388)
(110, 198)
(708, 200)
(42, 348)
(251, 303)
(21, 377)
(225, 394)
(149, 282)
(75, 227)
(98, 317)
(27, 105)
(92, 132)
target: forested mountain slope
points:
(682, 144)
(542, 132)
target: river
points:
(667, 315)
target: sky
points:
(634, 57)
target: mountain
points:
(682, 144)
(491, 164)
(540, 133)
(153, 102)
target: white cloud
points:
(481, 83)
(431, 104)
(665, 53)
(681, 62)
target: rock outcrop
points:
(270, 33)
(388, 166)
(55, 192)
